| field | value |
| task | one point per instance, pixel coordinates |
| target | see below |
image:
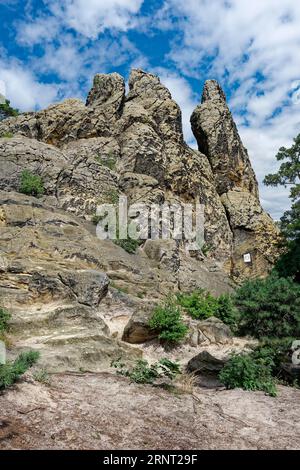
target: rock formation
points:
(55, 273)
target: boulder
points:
(206, 363)
(137, 329)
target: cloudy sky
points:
(50, 50)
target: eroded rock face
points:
(134, 145)
(218, 138)
(253, 230)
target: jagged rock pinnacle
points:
(212, 91)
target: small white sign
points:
(2, 353)
(247, 258)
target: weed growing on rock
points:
(31, 184)
(42, 376)
(143, 373)
(12, 371)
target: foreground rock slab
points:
(103, 411)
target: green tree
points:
(269, 307)
(7, 111)
(289, 175)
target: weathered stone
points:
(138, 330)
(89, 286)
(206, 363)
(209, 331)
(134, 145)
(218, 138)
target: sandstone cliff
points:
(55, 273)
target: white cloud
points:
(23, 89)
(89, 18)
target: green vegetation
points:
(201, 305)
(107, 161)
(110, 196)
(12, 371)
(143, 373)
(42, 376)
(128, 245)
(7, 111)
(248, 372)
(167, 320)
(206, 249)
(6, 135)
(289, 175)
(4, 319)
(31, 184)
(269, 307)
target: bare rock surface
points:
(102, 411)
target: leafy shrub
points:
(143, 373)
(31, 184)
(226, 311)
(269, 307)
(199, 305)
(167, 320)
(10, 372)
(42, 376)
(130, 245)
(288, 265)
(6, 135)
(7, 110)
(202, 305)
(4, 319)
(276, 352)
(250, 373)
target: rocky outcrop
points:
(82, 291)
(218, 138)
(253, 230)
(134, 145)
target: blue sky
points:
(50, 50)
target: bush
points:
(202, 305)
(199, 305)
(130, 245)
(249, 373)
(226, 311)
(31, 184)
(167, 320)
(7, 111)
(276, 352)
(7, 135)
(4, 319)
(12, 371)
(143, 373)
(269, 307)
(288, 265)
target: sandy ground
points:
(105, 411)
